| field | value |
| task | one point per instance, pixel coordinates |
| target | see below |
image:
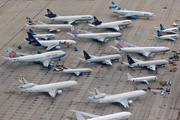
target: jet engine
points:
(27, 85)
(99, 96)
(134, 17)
(59, 91)
(130, 101)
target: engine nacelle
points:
(59, 91)
(130, 101)
(134, 17)
(27, 85)
(99, 96)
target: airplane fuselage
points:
(148, 63)
(112, 24)
(140, 79)
(77, 70)
(47, 36)
(50, 26)
(71, 18)
(169, 30)
(56, 42)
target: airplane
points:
(115, 116)
(49, 44)
(148, 64)
(167, 37)
(121, 98)
(145, 51)
(103, 59)
(50, 27)
(69, 19)
(51, 88)
(130, 13)
(42, 36)
(175, 25)
(78, 71)
(141, 79)
(113, 25)
(101, 37)
(44, 58)
(169, 30)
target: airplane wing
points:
(171, 38)
(46, 62)
(22, 54)
(152, 67)
(137, 60)
(83, 31)
(42, 23)
(116, 28)
(146, 53)
(115, 48)
(145, 81)
(52, 29)
(126, 63)
(101, 39)
(70, 22)
(131, 45)
(77, 73)
(46, 38)
(124, 102)
(108, 62)
(126, 15)
(52, 93)
(86, 114)
(50, 47)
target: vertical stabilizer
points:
(74, 31)
(12, 53)
(130, 60)
(114, 6)
(96, 21)
(161, 27)
(50, 14)
(78, 115)
(86, 55)
(158, 33)
(97, 91)
(129, 76)
(32, 32)
(31, 40)
(24, 81)
(30, 22)
(118, 45)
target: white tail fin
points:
(78, 115)
(129, 76)
(24, 81)
(97, 91)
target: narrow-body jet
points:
(42, 36)
(166, 37)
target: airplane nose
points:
(74, 42)
(75, 83)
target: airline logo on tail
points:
(96, 21)
(49, 12)
(86, 55)
(74, 32)
(23, 81)
(12, 54)
(114, 6)
(118, 45)
(95, 91)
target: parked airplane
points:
(50, 27)
(148, 64)
(51, 88)
(42, 36)
(102, 37)
(141, 79)
(103, 59)
(115, 116)
(167, 37)
(68, 19)
(129, 13)
(49, 44)
(175, 25)
(117, 98)
(169, 30)
(78, 71)
(114, 25)
(45, 58)
(145, 51)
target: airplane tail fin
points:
(96, 91)
(130, 60)
(61, 68)
(50, 14)
(161, 27)
(32, 32)
(24, 81)
(32, 40)
(118, 45)
(74, 31)
(96, 21)
(12, 54)
(158, 33)
(114, 6)
(129, 76)
(78, 115)
(86, 55)
(30, 22)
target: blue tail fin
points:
(32, 32)
(30, 22)
(130, 60)
(114, 6)
(50, 14)
(86, 55)
(161, 27)
(32, 40)
(158, 33)
(96, 21)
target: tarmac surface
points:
(17, 105)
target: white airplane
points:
(50, 27)
(169, 30)
(141, 79)
(129, 13)
(117, 98)
(102, 37)
(113, 25)
(69, 19)
(78, 71)
(49, 44)
(115, 116)
(44, 58)
(175, 25)
(42, 36)
(145, 51)
(103, 59)
(167, 37)
(148, 64)
(51, 88)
